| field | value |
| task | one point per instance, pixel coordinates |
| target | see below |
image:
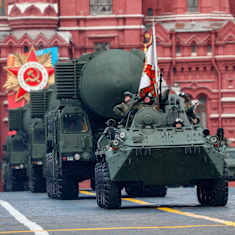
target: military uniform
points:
(121, 110)
(189, 109)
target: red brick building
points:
(196, 43)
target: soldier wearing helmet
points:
(190, 109)
(122, 109)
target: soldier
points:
(223, 142)
(179, 123)
(189, 109)
(121, 110)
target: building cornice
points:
(113, 27)
(191, 16)
(103, 16)
(228, 99)
(223, 115)
(33, 18)
(5, 29)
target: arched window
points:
(101, 7)
(150, 12)
(202, 110)
(192, 5)
(209, 49)
(178, 50)
(194, 51)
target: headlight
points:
(77, 156)
(122, 135)
(115, 142)
(213, 139)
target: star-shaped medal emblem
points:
(31, 75)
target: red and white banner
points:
(148, 75)
(150, 79)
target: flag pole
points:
(155, 57)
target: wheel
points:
(4, 177)
(49, 188)
(99, 184)
(213, 193)
(108, 192)
(50, 183)
(111, 191)
(37, 181)
(66, 188)
(16, 180)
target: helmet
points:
(127, 93)
(185, 96)
(178, 120)
(206, 132)
(220, 132)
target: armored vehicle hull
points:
(150, 164)
(152, 152)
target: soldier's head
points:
(220, 132)
(196, 120)
(186, 97)
(206, 132)
(127, 96)
(179, 123)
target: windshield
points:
(74, 123)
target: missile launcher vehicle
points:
(152, 150)
(75, 111)
(14, 174)
(14, 167)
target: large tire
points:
(16, 180)
(99, 184)
(37, 181)
(50, 182)
(4, 177)
(66, 188)
(213, 193)
(112, 191)
(108, 192)
(49, 188)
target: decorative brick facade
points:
(196, 43)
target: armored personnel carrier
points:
(152, 150)
(230, 161)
